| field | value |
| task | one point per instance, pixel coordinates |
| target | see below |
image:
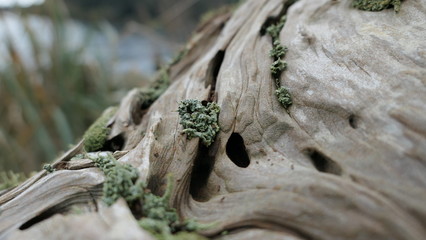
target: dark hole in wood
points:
(353, 121)
(269, 21)
(204, 102)
(323, 163)
(203, 166)
(155, 182)
(236, 151)
(217, 63)
(114, 144)
(273, 20)
(39, 218)
(94, 193)
(137, 114)
(213, 72)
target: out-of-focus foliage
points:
(47, 108)
(10, 179)
(176, 18)
(142, 10)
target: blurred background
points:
(63, 61)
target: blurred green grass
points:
(46, 108)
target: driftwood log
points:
(346, 161)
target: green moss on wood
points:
(48, 167)
(147, 96)
(162, 221)
(158, 217)
(274, 29)
(97, 134)
(163, 229)
(157, 208)
(278, 67)
(199, 120)
(377, 5)
(284, 97)
(278, 52)
(121, 179)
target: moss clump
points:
(49, 168)
(158, 217)
(157, 88)
(284, 97)
(162, 221)
(199, 120)
(274, 29)
(278, 52)
(377, 5)
(96, 136)
(121, 179)
(278, 67)
(161, 230)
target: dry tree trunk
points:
(346, 161)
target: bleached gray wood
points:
(347, 161)
(115, 222)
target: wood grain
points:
(347, 161)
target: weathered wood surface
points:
(347, 161)
(115, 222)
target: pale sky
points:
(20, 3)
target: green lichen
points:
(199, 120)
(274, 29)
(161, 231)
(191, 225)
(49, 168)
(278, 67)
(278, 52)
(157, 208)
(161, 220)
(284, 97)
(157, 228)
(96, 136)
(377, 5)
(171, 230)
(121, 179)
(149, 95)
